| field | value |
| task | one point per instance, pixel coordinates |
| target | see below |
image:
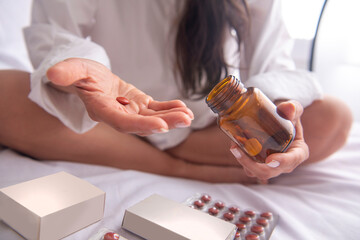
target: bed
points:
(319, 201)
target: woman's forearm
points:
(29, 129)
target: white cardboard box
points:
(51, 207)
(158, 218)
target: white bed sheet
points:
(320, 201)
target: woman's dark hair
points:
(200, 41)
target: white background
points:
(337, 50)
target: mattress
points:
(318, 201)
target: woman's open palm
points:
(99, 89)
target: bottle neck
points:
(225, 94)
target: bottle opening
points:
(222, 91)
(217, 89)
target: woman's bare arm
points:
(30, 130)
(99, 88)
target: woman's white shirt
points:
(135, 39)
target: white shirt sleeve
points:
(267, 63)
(49, 43)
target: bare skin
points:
(28, 129)
(204, 155)
(98, 88)
(322, 129)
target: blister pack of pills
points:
(251, 224)
(107, 234)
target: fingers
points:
(174, 113)
(146, 123)
(174, 104)
(158, 106)
(278, 163)
(120, 117)
(99, 88)
(175, 118)
(253, 169)
(135, 123)
(293, 157)
(275, 164)
(291, 110)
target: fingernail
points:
(235, 152)
(181, 125)
(160, 130)
(273, 164)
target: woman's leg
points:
(326, 124)
(27, 128)
(208, 145)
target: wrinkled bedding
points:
(320, 201)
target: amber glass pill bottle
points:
(250, 119)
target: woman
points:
(168, 50)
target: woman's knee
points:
(14, 88)
(13, 75)
(329, 116)
(344, 116)
(13, 82)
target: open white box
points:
(51, 207)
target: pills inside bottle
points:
(250, 119)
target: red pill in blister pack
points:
(111, 236)
(106, 234)
(228, 216)
(234, 209)
(213, 211)
(205, 198)
(251, 224)
(199, 204)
